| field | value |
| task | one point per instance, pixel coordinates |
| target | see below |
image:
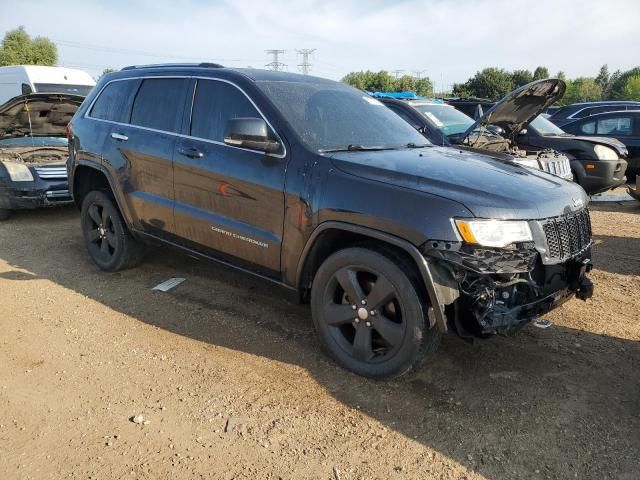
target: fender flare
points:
(117, 194)
(436, 312)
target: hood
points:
(521, 106)
(487, 187)
(617, 145)
(38, 114)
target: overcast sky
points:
(448, 40)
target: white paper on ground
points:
(169, 284)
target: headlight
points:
(494, 233)
(18, 172)
(605, 153)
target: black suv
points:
(318, 187)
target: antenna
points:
(305, 66)
(275, 64)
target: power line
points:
(275, 64)
(305, 66)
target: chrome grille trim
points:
(568, 235)
(47, 173)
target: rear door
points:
(139, 152)
(229, 200)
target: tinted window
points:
(82, 90)
(588, 128)
(26, 89)
(114, 102)
(614, 126)
(405, 116)
(159, 104)
(446, 118)
(214, 104)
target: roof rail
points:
(164, 65)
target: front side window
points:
(332, 116)
(159, 104)
(544, 127)
(114, 102)
(589, 128)
(214, 104)
(616, 126)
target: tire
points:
(109, 242)
(389, 336)
(4, 213)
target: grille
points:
(561, 168)
(568, 235)
(55, 172)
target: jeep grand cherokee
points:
(318, 187)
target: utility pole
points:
(397, 73)
(305, 66)
(276, 64)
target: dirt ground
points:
(232, 384)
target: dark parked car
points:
(576, 111)
(33, 151)
(597, 164)
(318, 187)
(491, 133)
(623, 126)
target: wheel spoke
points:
(349, 282)
(104, 247)
(391, 332)
(95, 215)
(111, 239)
(93, 235)
(362, 348)
(105, 218)
(381, 293)
(338, 314)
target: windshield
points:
(449, 120)
(34, 142)
(544, 127)
(82, 90)
(331, 115)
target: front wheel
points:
(108, 240)
(368, 313)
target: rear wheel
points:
(108, 240)
(368, 313)
(4, 213)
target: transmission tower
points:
(305, 66)
(418, 73)
(396, 73)
(276, 64)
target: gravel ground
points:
(230, 382)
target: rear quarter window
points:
(114, 101)
(159, 104)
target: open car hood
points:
(38, 114)
(521, 106)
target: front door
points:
(229, 200)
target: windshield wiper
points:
(417, 145)
(353, 147)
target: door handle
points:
(191, 152)
(118, 136)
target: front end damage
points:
(496, 290)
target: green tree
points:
(491, 83)
(424, 87)
(540, 73)
(561, 75)
(632, 88)
(521, 77)
(603, 79)
(17, 48)
(382, 81)
(582, 89)
(618, 85)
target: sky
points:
(445, 40)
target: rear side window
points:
(159, 104)
(214, 104)
(588, 128)
(616, 126)
(114, 102)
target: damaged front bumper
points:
(48, 188)
(490, 290)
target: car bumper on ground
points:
(597, 176)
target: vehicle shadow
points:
(619, 255)
(560, 402)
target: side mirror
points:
(251, 133)
(523, 131)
